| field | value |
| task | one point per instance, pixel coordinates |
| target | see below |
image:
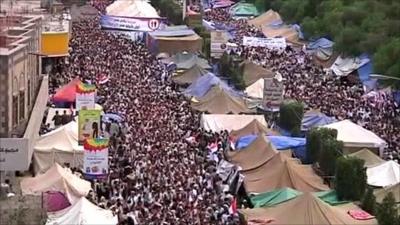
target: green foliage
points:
(206, 47)
(331, 149)
(314, 142)
(356, 26)
(350, 178)
(386, 212)
(290, 116)
(230, 66)
(369, 201)
(169, 9)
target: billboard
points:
(85, 96)
(14, 154)
(88, 124)
(273, 94)
(131, 23)
(55, 44)
(95, 158)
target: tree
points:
(386, 61)
(369, 201)
(290, 116)
(350, 178)
(386, 212)
(314, 139)
(331, 149)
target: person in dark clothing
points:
(65, 118)
(57, 119)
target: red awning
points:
(67, 93)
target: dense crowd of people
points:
(317, 88)
(160, 168)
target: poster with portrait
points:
(85, 96)
(88, 124)
(95, 158)
(273, 94)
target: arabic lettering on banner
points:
(218, 43)
(89, 124)
(95, 158)
(131, 24)
(273, 94)
(85, 96)
(14, 154)
(272, 43)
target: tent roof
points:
(280, 172)
(173, 31)
(315, 118)
(256, 90)
(203, 84)
(190, 75)
(64, 139)
(305, 209)
(218, 122)
(344, 66)
(382, 192)
(82, 213)
(272, 198)
(244, 9)
(59, 179)
(188, 60)
(253, 72)
(354, 135)
(132, 8)
(320, 43)
(254, 128)
(219, 101)
(370, 159)
(254, 155)
(265, 19)
(67, 93)
(385, 174)
(285, 31)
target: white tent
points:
(59, 145)
(82, 213)
(256, 89)
(219, 122)
(356, 136)
(58, 179)
(132, 8)
(385, 174)
(344, 66)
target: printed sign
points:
(14, 154)
(85, 96)
(89, 125)
(273, 94)
(95, 158)
(131, 24)
(218, 43)
(271, 43)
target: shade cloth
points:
(320, 43)
(67, 93)
(58, 146)
(59, 179)
(253, 72)
(385, 174)
(381, 193)
(219, 101)
(252, 128)
(203, 84)
(190, 75)
(172, 45)
(289, 33)
(132, 8)
(256, 90)
(344, 66)
(306, 209)
(55, 201)
(244, 9)
(354, 135)
(82, 213)
(186, 60)
(219, 122)
(273, 198)
(330, 197)
(315, 118)
(370, 158)
(265, 19)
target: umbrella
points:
(112, 116)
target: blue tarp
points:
(314, 119)
(297, 28)
(365, 71)
(320, 43)
(396, 96)
(204, 83)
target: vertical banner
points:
(95, 158)
(273, 94)
(218, 46)
(89, 125)
(85, 96)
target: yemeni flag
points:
(233, 207)
(102, 79)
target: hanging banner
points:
(272, 43)
(89, 125)
(132, 23)
(218, 46)
(85, 96)
(14, 154)
(95, 158)
(273, 94)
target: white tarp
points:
(59, 145)
(344, 66)
(272, 43)
(58, 179)
(354, 135)
(256, 89)
(132, 8)
(82, 213)
(219, 122)
(385, 174)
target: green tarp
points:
(330, 197)
(244, 9)
(272, 198)
(278, 196)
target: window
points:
(21, 105)
(15, 111)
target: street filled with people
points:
(310, 83)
